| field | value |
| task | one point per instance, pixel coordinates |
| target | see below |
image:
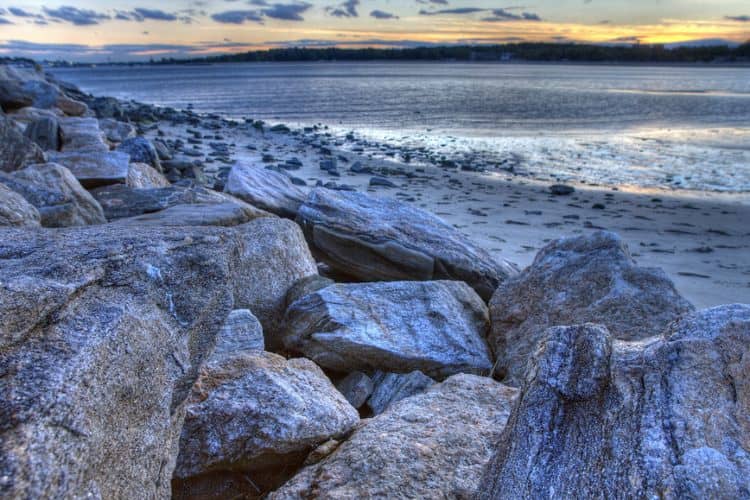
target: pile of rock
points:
(166, 339)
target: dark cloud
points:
(437, 2)
(154, 14)
(458, 11)
(287, 12)
(76, 16)
(4, 21)
(379, 14)
(237, 16)
(20, 12)
(281, 11)
(503, 15)
(739, 19)
(345, 9)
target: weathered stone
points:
(576, 280)
(434, 445)
(437, 327)
(356, 388)
(116, 131)
(266, 189)
(393, 387)
(307, 286)
(59, 197)
(140, 150)
(28, 115)
(107, 107)
(71, 107)
(257, 411)
(82, 135)
(665, 417)
(16, 150)
(45, 132)
(226, 214)
(25, 86)
(143, 176)
(382, 239)
(95, 169)
(15, 210)
(102, 332)
(241, 332)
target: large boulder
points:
(95, 169)
(141, 150)
(376, 239)
(16, 150)
(102, 332)
(226, 214)
(256, 414)
(437, 327)
(107, 107)
(143, 176)
(15, 210)
(665, 417)
(82, 135)
(45, 132)
(266, 189)
(117, 131)
(581, 279)
(59, 197)
(25, 86)
(390, 388)
(434, 445)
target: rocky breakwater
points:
(168, 329)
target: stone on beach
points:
(15, 211)
(391, 388)
(575, 280)
(94, 169)
(226, 214)
(116, 131)
(377, 239)
(143, 176)
(82, 135)
(356, 388)
(46, 133)
(433, 445)
(437, 327)
(665, 417)
(252, 412)
(241, 332)
(16, 150)
(140, 150)
(266, 189)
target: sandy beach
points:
(701, 240)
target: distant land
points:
(700, 51)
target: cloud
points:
(287, 12)
(281, 11)
(458, 11)
(379, 14)
(237, 16)
(438, 2)
(76, 16)
(346, 9)
(504, 15)
(739, 19)
(4, 21)
(20, 12)
(154, 14)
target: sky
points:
(121, 30)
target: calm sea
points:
(479, 105)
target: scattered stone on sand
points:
(382, 239)
(433, 445)
(437, 327)
(265, 189)
(663, 417)
(575, 280)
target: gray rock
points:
(266, 189)
(95, 169)
(71, 107)
(381, 239)
(15, 210)
(576, 280)
(59, 197)
(240, 333)
(382, 182)
(437, 327)
(82, 135)
(226, 214)
(102, 332)
(665, 417)
(163, 151)
(45, 132)
(356, 388)
(561, 190)
(143, 176)
(307, 286)
(141, 150)
(16, 150)
(253, 412)
(107, 107)
(434, 445)
(393, 387)
(117, 131)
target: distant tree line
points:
(543, 52)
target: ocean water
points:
(677, 127)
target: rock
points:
(95, 169)
(280, 128)
(228, 214)
(15, 210)
(45, 132)
(107, 107)
(433, 445)
(117, 131)
(576, 280)
(82, 135)
(382, 239)
(356, 388)
(59, 197)
(437, 327)
(257, 412)
(16, 151)
(143, 176)
(71, 107)
(12, 95)
(561, 190)
(241, 332)
(25, 86)
(102, 332)
(266, 189)
(141, 150)
(162, 150)
(381, 181)
(120, 201)
(29, 115)
(659, 418)
(393, 387)
(307, 286)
